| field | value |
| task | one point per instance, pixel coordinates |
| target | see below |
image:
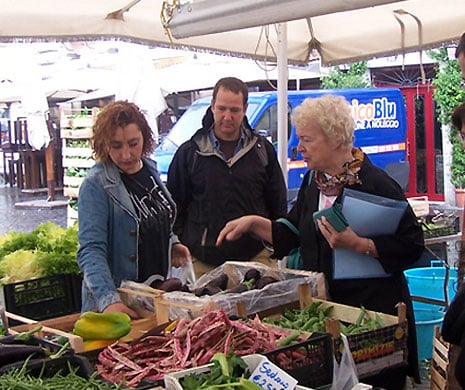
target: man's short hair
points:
(232, 84)
(461, 46)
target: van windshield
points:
(188, 123)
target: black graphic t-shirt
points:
(155, 214)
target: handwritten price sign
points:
(270, 377)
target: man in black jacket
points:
(226, 170)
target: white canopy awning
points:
(339, 37)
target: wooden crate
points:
(84, 133)
(76, 125)
(78, 118)
(63, 326)
(443, 363)
(132, 295)
(389, 351)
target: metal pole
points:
(282, 97)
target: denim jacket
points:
(108, 234)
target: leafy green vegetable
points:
(18, 266)
(14, 241)
(228, 373)
(47, 250)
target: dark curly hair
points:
(114, 115)
(458, 116)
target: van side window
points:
(267, 125)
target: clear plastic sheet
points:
(285, 290)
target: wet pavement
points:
(23, 211)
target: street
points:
(32, 209)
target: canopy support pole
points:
(282, 98)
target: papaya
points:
(102, 326)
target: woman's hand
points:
(180, 255)
(346, 239)
(122, 308)
(233, 230)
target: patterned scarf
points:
(332, 186)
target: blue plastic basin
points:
(428, 282)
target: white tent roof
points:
(340, 37)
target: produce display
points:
(226, 372)
(47, 250)
(313, 319)
(19, 378)
(24, 346)
(256, 286)
(191, 343)
(253, 279)
(76, 132)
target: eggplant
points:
(10, 353)
(264, 281)
(22, 338)
(240, 288)
(220, 281)
(207, 290)
(252, 273)
(156, 284)
(171, 284)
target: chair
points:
(12, 167)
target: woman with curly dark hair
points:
(125, 213)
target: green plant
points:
(355, 76)
(448, 94)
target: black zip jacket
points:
(210, 191)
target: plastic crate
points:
(310, 361)
(44, 298)
(439, 231)
(377, 349)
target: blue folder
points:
(369, 216)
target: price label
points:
(270, 377)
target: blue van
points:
(379, 115)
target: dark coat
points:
(210, 191)
(396, 252)
(453, 331)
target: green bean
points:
(19, 379)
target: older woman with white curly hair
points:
(325, 129)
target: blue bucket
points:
(428, 282)
(425, 321)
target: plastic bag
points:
(185, 273)
(345, 372)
